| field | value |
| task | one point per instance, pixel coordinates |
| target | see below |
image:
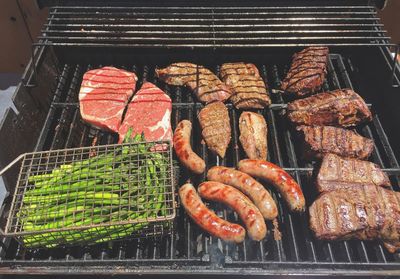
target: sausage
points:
(282, 181)
(248, 185)
(248, 212)
(183, 149)
(207, 219)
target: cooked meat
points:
(248, 88)
(149, 112)
(103, 96)
(320, 140)
(343, 173)
(253, 135)
(200, 80)
(307, 72)
(364, 212)
(342, 107)
(216, 127)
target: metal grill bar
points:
(217, 27)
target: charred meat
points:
(207, 86)
(342, 107)
(248, 88)
(253, 135)
(216, 127)
(365, 212)
(320, 140)
(307, 72)
(344, 173)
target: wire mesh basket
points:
(92, 194)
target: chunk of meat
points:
(363, 212)
(216, 128)
(149, 112)
(253, 135)
(342, 108)
(343, 173)
(320, 140)
(307, 72)
(204, 83)
(248, 88)
(103, 96)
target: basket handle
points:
(4, 170)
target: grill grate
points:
(189, 248)
(268, 25)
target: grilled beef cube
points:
(248, 88)
(307, 72)
(253, 135)
(342, 107)
(216, 127)
(343, 173)
(365, 212)
(320, 140)
(207, 86)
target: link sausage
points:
(282, 181)
(248, 185)
(183, 149)
(207, 219)
(233, 198)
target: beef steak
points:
(149, 112)
(343, 173)
(342, 108)
(364, 212)
(103, 96)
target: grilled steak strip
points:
(365, 212)
(320, 140)
(203, 82)
(253, 135)
(307, 72)
(342, 107)
(344, 173)
(216, 128)
(248, 88)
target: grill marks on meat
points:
(203, 82)
(248, 88)
(103, 96)
(253, 135)
(342, 107)
(149, 112)
(320, 140)
(216, 129)
(344, 173)
(307, 72)
(366, 212)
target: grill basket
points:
(92, 194)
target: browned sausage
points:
(207, 219)
(248, 185)
(233, 198)
(183, 149)
(273, 174)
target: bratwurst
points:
(183, 149)
(233, 198)
(282, 181)
(248, 185)
(207, 219)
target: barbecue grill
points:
(142, 35)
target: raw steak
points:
(103, 96)
(148, 112)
